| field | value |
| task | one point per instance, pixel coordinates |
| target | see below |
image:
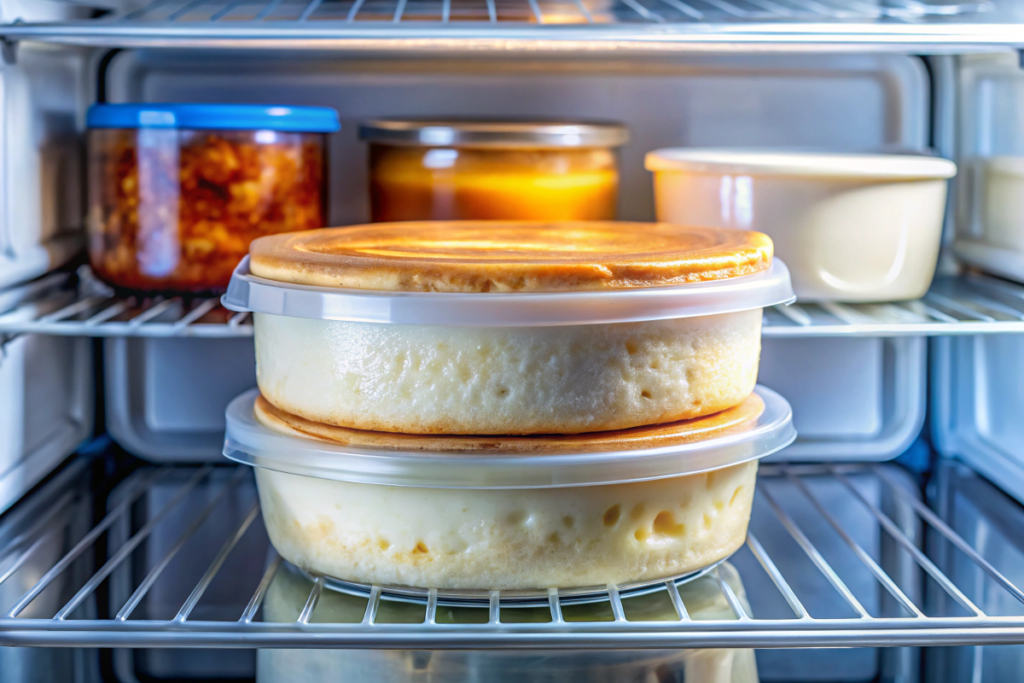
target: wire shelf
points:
(78, 305)
(380, 24)
(216, 518)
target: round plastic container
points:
(507, 362)
(500, 514)
(479, 170)
(178, 191)
(851, 227)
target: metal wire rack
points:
(862, 509)
(368, 24)
(77, 305)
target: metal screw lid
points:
(497, 134)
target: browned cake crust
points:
(505, 256)
(729, 421)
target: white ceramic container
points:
(851, 227)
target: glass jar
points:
(480, 170)
(178, 191)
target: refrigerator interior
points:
(866, 397)
(113, 558)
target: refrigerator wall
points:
(991, 522)
(42, 97)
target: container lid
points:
(214, 117)
(750, 432)
(813, 164)
(247, 292)
(497, 134)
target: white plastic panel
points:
(166, 398)
(46, 408)
(990, 522)
(978, 390)
(854, 399)
(41, 179)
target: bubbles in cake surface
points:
(611, 515)
(516, 518)
(421, 547)
(665, 525)
(735, 495)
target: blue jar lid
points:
(214, 117)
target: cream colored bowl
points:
(851, 227)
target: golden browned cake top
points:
(730, 421)
(507, 256)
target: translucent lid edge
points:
(322, 460)
(249, 293)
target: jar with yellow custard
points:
(480, 170)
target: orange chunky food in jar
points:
(480, 170)
(177, 192)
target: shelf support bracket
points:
(9, 51)
(8, 47)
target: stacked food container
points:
(492, 406)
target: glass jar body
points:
(174, 210)
(409, 183)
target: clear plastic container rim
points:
(249, 442)
(247, 292)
